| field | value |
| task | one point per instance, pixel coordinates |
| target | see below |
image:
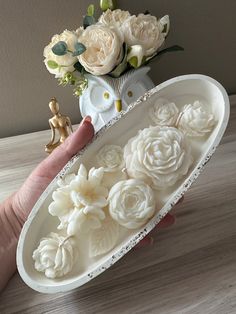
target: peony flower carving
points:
(164, 112)
(110, 157)
(55, 255)
(195, 120)
(131, 203)
(159, 156)
(79, 205)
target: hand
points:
(24, 200)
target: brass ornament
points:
(59, 124)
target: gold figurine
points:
(60, 123)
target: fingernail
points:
(86, 119)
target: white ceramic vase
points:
(105, 96)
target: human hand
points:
(24, 200)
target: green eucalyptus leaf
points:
(60, 48)
(122, 66)
(88, 20)
(107, 4)
(90, 10)
(52, 64)
(79, 49)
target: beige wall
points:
(206, 28)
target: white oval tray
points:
(181, 90)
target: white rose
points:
(196, 120)
(145, 30)
(131, 203)
(110, 157)
(164, 112)
(65, 62)
(55, 256)
(103, 49)
(160, 156)
(114, 18)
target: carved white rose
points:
(131, 203)
(110, 157)
(160, 156)
(196, 120)
(103, 49)
(55, 255)
(164, 112)
(79, 205)
(145, 30)
(65, 62)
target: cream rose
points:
(164, 112)
(103, 49)
(65, 62)
(160, 156)
(131, 203)
(114, 18)
(145, 30)
(55, 256)
(195, 120)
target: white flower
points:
(79, 204)
(114, 18)
(66, 180)
(145, 30)
(196, 120)
(103, 49)
(55, 256)
(131, 203)
(135, 56)
(65, 62)
(110, 157)
(160, 156)
(164, 112)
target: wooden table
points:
(191, 268)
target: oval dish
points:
(180, 90)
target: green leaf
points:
(88, 20)
(122, 66)
(78, 66)
(107, 4)
(60, 48)
(52, 64)
(133, 62)
(163, 51)
(90, 10)
(79, 49)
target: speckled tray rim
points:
(152, 223)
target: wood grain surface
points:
(190, 268)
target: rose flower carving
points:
(55, 255)
(131, 203)
(160, 156)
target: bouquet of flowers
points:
(111, 45)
